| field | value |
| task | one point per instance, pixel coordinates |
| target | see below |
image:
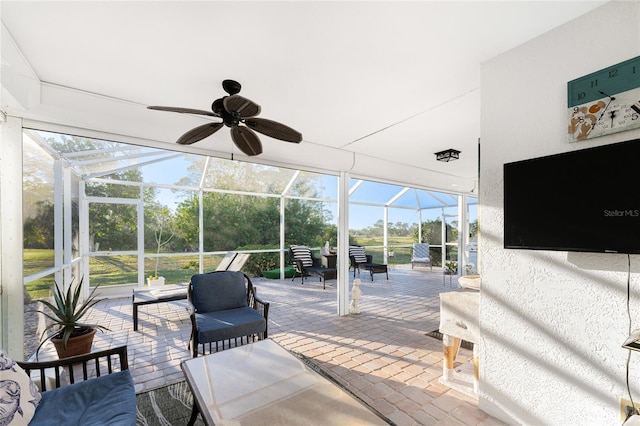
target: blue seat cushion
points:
(218, 291)
(105, 400)
(229, 324)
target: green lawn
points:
(402, 248)
(114, 270)
(35, 261)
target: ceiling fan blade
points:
(274, 129)
(241, 106)
(196, 134)
(183, 110)
(246, 140)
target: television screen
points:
(586, 200)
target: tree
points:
(230, 221)
(400, 229)
(38, 230)
(233, 220)
(112, 225)
(431, 232)
(305, 224)
(473, 229)
(163, 225)
(115, 226)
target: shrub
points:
(259, 262)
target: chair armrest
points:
(190, 308)
(369, 258)
(262, 308)
(93, 363)
(257, 303)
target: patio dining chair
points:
(421, 255)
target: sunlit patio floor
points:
(383, 355)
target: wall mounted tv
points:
(586, 200)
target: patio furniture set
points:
(253, 381)
(232, 261)
(97, 388)
(308, 265)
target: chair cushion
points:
(221, 325)
(218, 291)
(302, 253)
(18, 392)
(105, 400)
(358, 253)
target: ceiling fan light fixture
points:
(448, 155)
(235, 110)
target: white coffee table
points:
(263, 384)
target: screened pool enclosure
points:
(115, 214)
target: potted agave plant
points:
(70, 335)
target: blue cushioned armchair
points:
(99, 394)
(225, 308)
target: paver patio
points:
(383, 355)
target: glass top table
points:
(263, 384)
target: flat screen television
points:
(586, 200)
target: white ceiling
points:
(392, 82)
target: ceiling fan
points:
(239, 114)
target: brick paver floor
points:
(382, 355)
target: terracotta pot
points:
(78, 345)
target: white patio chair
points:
(421, 255)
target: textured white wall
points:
(552, 322)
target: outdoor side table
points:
(152, 295)
(329, 260)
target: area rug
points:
(437, 335)
(166, 406)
